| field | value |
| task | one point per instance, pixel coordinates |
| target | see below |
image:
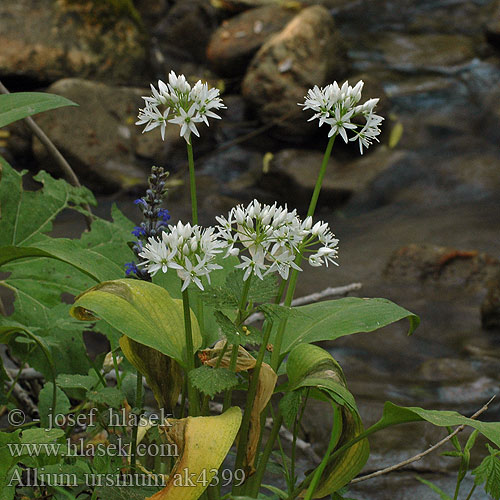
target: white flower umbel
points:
(190, 250)
(177, 102)
(273, 237)
(338, 106)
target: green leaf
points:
(210, 381)
(434, 488)
(233, 335)
(75, 381)
(87, 261)
(110, 396)
(38, 281)
(63, 405)
(488, 472)
(40, 436)
(163, 374)
(312, 367)
(332, 319)
(142, 311)
(126, 492)
(289, 406)
(19, 105)
(394, 415)
(8, 461)
(219, 297)
(277, 313)
(27, 215)
(260, 290)
(273, 489)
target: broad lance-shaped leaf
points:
(332, 319)
(312, 367)
(394, 415)
(162, 373)
(203, 443)
(19, 105)
(265, 388)
(142, 311)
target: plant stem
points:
(319, 180)
(252, 391)
(275, 358)
(194, 406)
(115, 365)
(334, 439)
(234, 353)
(261, 468)
(460, 477)
(138, 408)
(192, 183)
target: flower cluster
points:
(178, 102)
(154, 220)
(273, 238)
(338, 106)
(190, 250)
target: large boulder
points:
(183, 34)
(99, 138)
(308, 52)
(435, 265)
(233, 45)
(414, 52)
(293, 172)
(492, 27)
(490, 308)
(52, 39)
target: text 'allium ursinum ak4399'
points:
(178, 102)
(338, 106)
(273, 237)
(190, 250)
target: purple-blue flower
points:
(164, 214)
(139, 231)
(140, 201)
(130, 268)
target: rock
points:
(48, 40)
(99, 138)
(185, 31)
(233, 45)
(490, 308)
(423, 51)
(293, 172)
(307, 52)
(448, 370)
(431, 264)
(478, 173)
(240, 5)
(492, 28)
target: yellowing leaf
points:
(162, 373)
(396, 134)
(143, 312)
(203, 443)
(265, 389)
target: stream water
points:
(441, 79)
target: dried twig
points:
(424, 453)
(24, 399)
(56, 154)
(313, 297)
